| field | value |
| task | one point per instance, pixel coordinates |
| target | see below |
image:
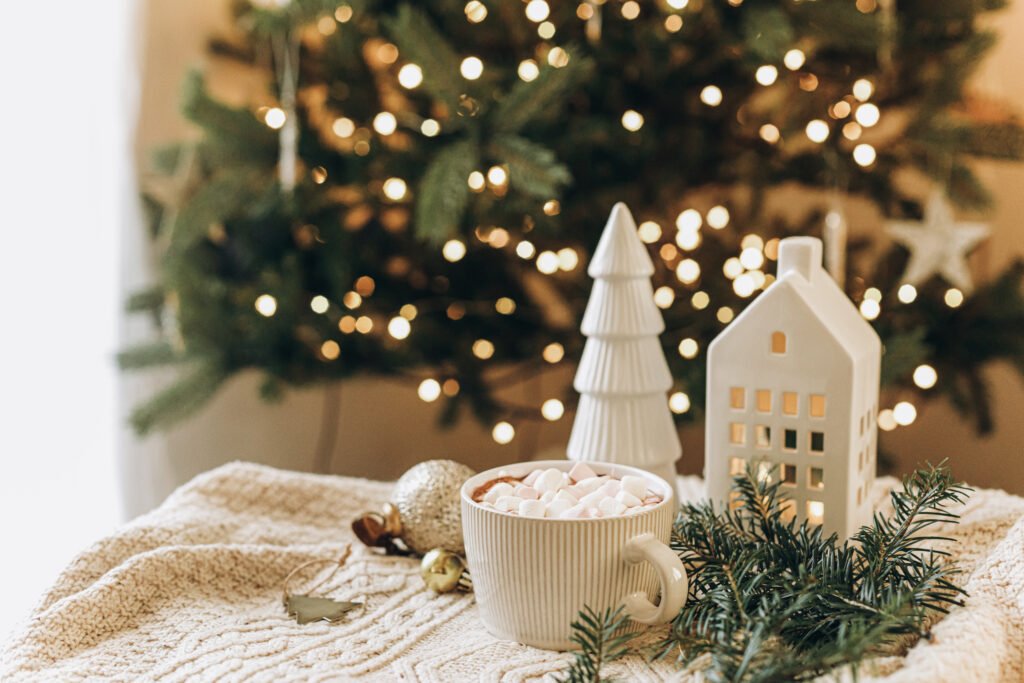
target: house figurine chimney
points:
(800, 255)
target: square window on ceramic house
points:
(778, 342)
(737, 466)
(788, 474)
(764, 471)
(815, 512)
(815, 478)
(764, 400)
(789, 439)
(737, 398)
(787, 510)
(762, 436)
(817, 444)
(737, 433)
(790, 404)
(817, 405)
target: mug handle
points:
(671, 574)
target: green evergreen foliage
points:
(229, 233)
(773, 601)
(595, 634)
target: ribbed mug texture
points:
(531, 577)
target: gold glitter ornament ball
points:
(427, 498)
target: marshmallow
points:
(610, 507)
(592, 499)
(531, 477)
(508, 503)
(549, 480)
(590, 485)
(548, 496)
(610, 488)
(581, 471)
(628, 499)
(497, 491)
(566, 495)
(575, 512)
(558, 506)
(532, 508)
(635, 485)
(527, 492)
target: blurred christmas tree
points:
(419, 192)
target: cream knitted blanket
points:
(192, 591)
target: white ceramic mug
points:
(532, 576)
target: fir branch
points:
(594, 632)
(532, 168)
(420, 42)
(443, 193)
(530, 101)
(180, 399)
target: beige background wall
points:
(384, 428)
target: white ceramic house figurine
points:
(793, 384)
(623, 378)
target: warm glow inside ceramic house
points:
(793, 385)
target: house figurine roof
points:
(800, 272)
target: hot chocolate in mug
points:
(532, 576)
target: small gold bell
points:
(444, 571)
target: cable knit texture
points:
(192, 591)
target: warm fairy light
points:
(679, 403)
(863, 89)
(630, 10)
(873, 293)
(869, 308)
(664, 297)
(766, 74)
(689, 220)
(689, 348)
(771, 248)
(558, 57)
(347, 324)
(471, 68)
(553, 352)
(395, 189)
(852, 130)
(330, 350)
(399, 327)
(925, 376)
(476, 11)
(343, 14)
(808, 82)
(718, 217)
(319, 304)
(410, 76)
(388, 53)
(552, 409)
(904, 413)
(525, 249)
(649, 232)
(688, 271)
(275, 117)
(429, 390)
(673, 23)
(711, 95)
(430, 127)
(547, 262)
(954, 297)
(505, 305)
(365, 285)
(266, 305)
(700, 300)
(752, 258)
(725, 315)
(632, 120)
(537, 11)
(584, 11)
(677, 4)
(817, 130)
(503, 433)
(886, 420)
(364, 324)
(546, 30)
(476, 181)
(760, 279)
(839, 110)
(453, 250)
(688, 239)
(352, 300)
(770, 133)
(752, 241)
(794, 59)
(455, 311)
(528, 70)
(498, 238)
(385, 123)
(668, 252)
(552, 207)
(744, 285)
(907, 293)
(864, 154)
(732, 268)
(409, 312)
(496, 175)
(483, 349)
(568, 259)
(343, 127)
(450, 387)
(867, 115)
(318, 174)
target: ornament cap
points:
(620, 253)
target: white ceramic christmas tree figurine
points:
(623, 378)
(793, 385)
